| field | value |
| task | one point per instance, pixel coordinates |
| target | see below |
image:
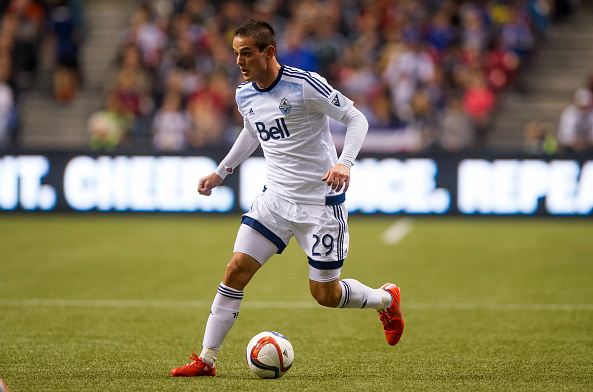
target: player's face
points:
(252, 62)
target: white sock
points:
(223, 313)
(357, 295)
(208, 356)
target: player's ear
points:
(270, 52)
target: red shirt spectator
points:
(478, 100)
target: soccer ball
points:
(269, 354)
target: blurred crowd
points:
(26, 25)
(574, 131)
(426, 73)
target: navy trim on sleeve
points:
(296, 71)
(310, 81)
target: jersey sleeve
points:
(321, 97)
(244, 146)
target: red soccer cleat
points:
(392, 319)
(193, 369)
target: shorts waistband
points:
(329, 200)
(335, 200)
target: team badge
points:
(285, 107)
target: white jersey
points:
(290, 120)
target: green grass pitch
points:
(111, 303)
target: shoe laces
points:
(385, 318)
(195, 360)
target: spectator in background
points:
(414, 48)
(379, 113)
(456, 130)
(199, 11)
(516, 35)
(131, 63)
(6, 106)
(540, 12)
(424, 118)
(207, 122)
(436, 89)
(136, 93)
(575, 131)
(170, 125)
(328, 43)
(180, 60)
(109, 127)
(358, 79)
(405, 73)
(539, 139)
(590, 83)
(67, 36)
(478, 104)
(132, 89)
(294, 51)
(148, 36)
(24, 22)
(207, 110)
(7, 93)
(500, 66)
(441, 34)
(474, 33)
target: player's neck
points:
(270, 76)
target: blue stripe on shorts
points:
(325, 265)
(261, 229)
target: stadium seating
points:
(487, 66)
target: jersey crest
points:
(285, 107)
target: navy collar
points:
(264, 90)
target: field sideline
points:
(111, 303)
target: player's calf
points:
(326, 294)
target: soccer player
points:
(286, 110)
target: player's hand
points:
(338, 177)
(208, 183)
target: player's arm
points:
(325, 99)
(242, 149)
(356, 130)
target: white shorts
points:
(320, 230)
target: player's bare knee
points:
(234, 273)
(239, 272)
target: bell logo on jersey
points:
(280, 131)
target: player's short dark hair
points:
(261, 32)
